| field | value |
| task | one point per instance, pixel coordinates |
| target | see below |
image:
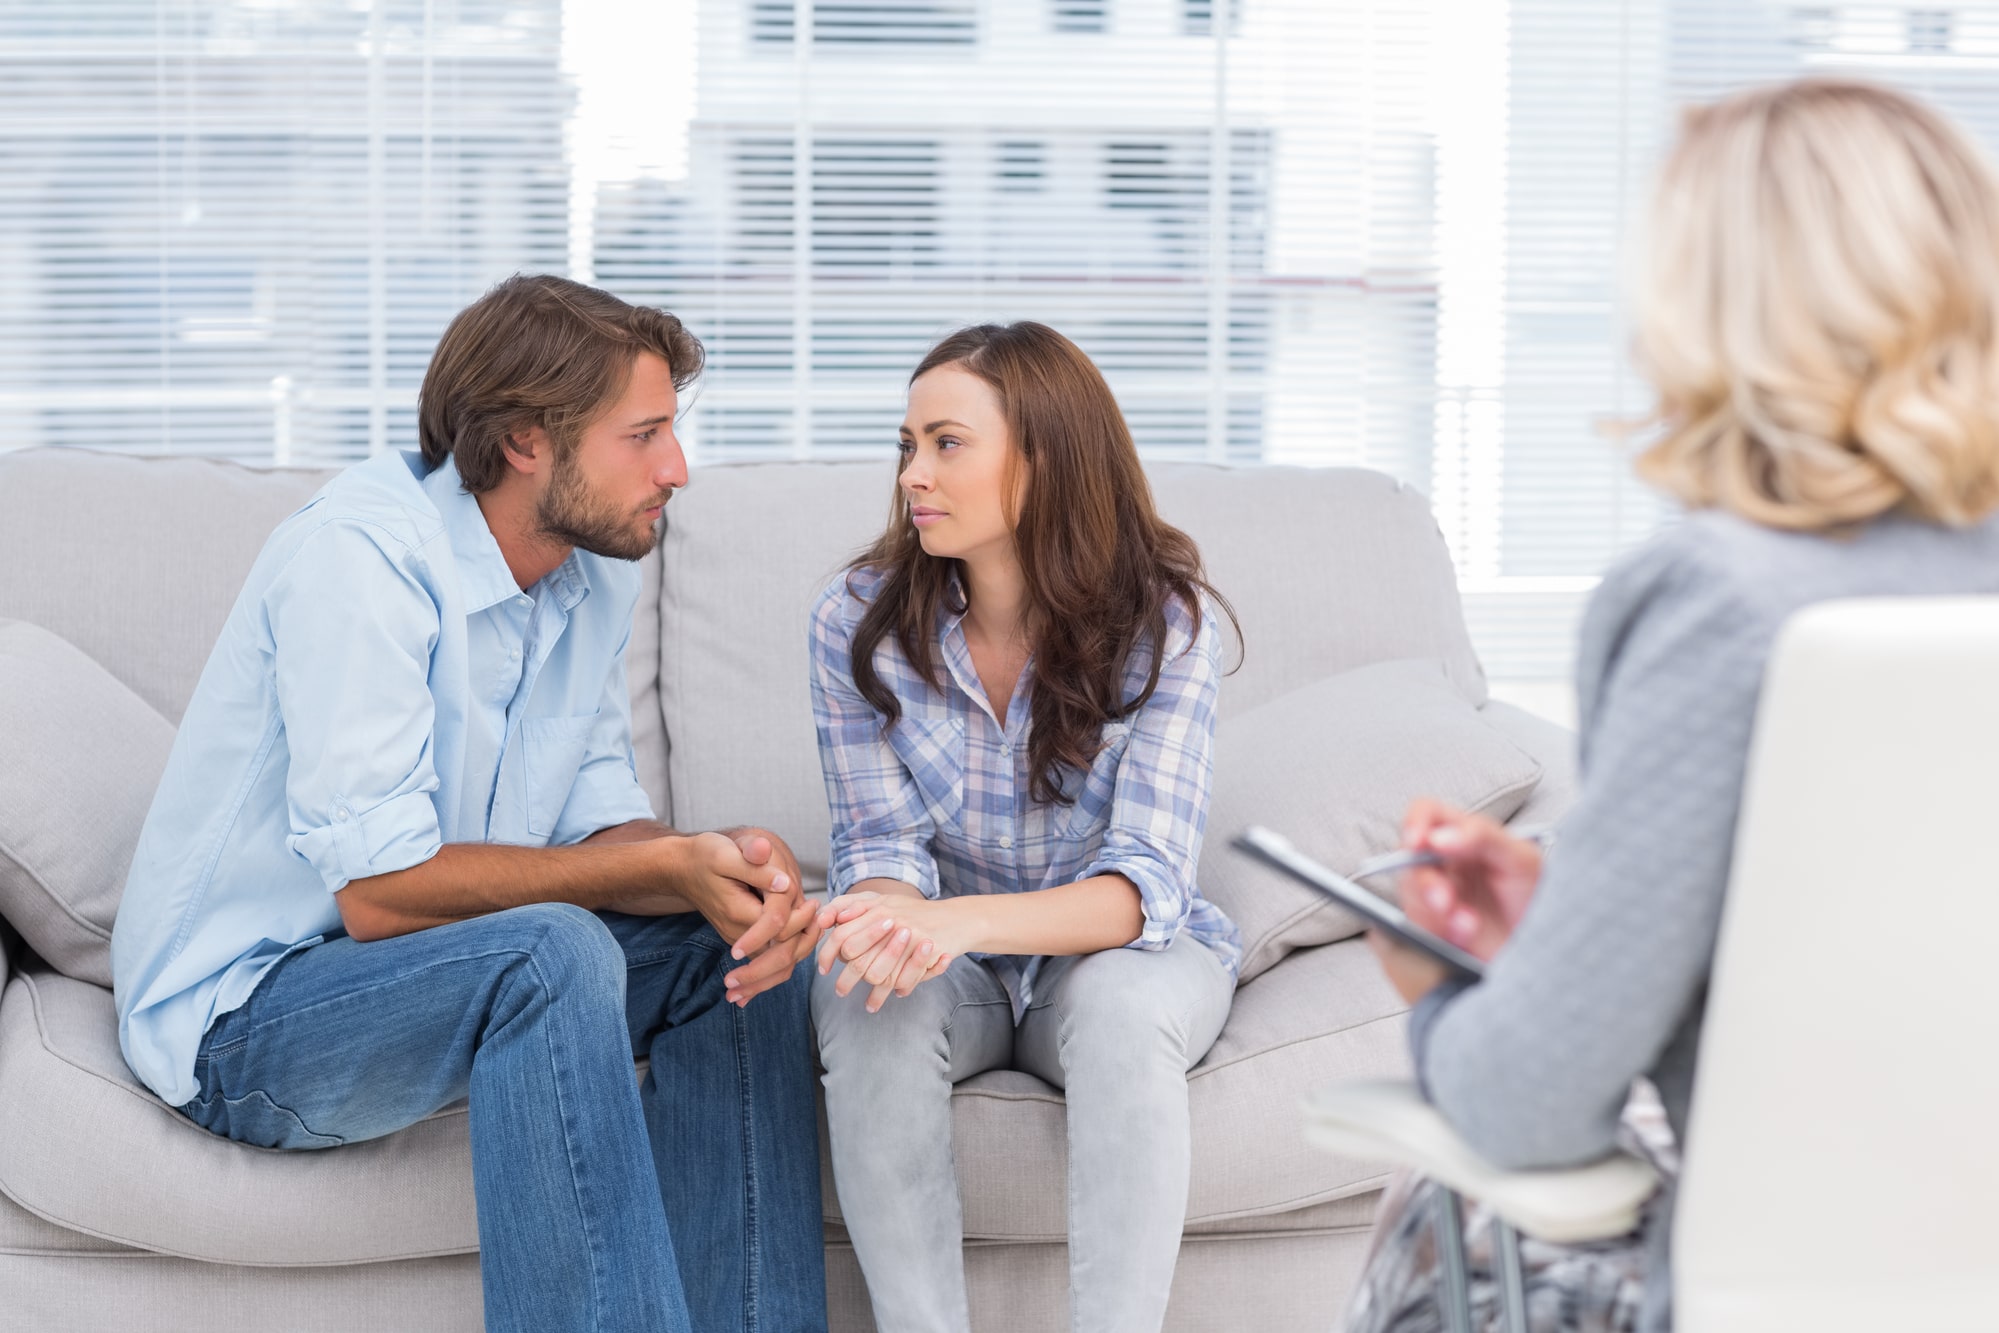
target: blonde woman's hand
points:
(1479, 890)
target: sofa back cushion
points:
(137, 561)
(1333, 767)
(1329, 569)
(84, 754)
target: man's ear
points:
(528, 449)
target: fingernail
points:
(1447, 838)
(780, 882)
(735, 951)
(1438, 896)
(925, 948)
(1464, 923)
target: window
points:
(869, 22)
(1384, 233)
(1079, 15)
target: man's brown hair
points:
(540, 351)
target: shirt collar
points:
(483, 575)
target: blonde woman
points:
(1819, 315)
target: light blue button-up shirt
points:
(381, 687)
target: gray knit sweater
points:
(1606, 977)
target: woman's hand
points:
(1474, 897)
(890, 942)
(1480, 890)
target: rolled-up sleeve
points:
(607, 791)
(1159, 809)
(352, 628)
(882, 828)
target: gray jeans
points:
(1117, 1031)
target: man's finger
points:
(770, 919)
(767, 968)
(754, 846)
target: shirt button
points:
(340, 814)
(1006, 841)
(514, 655)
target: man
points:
(399, 855)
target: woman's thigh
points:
(1125, 1005)
(963, 1016)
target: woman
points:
(1819, 316)
(1015, 694)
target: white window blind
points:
(1377, 232)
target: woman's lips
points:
(923, 518)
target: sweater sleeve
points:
(1533, 1066)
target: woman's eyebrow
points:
(936, 426)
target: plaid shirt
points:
(940, 800)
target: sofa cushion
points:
(84, 755)
(1329, 568)
(83, 1145)
(1333, 767)
(1322, 1015)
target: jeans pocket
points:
(251, 1116)
(255, 1119)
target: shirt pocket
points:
(1096, 793)
(932, 750)
(552, 750)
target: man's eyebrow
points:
(650, 421)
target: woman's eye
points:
(645, 437)
(946, 442)
(904, 447)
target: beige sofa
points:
(114, 1211)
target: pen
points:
(1541, 834)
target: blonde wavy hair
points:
(1818, 310)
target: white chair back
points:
(1842, 1167)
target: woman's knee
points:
(1118, 1010)
(907, 1028)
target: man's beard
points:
(569, 513)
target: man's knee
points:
(567, 952)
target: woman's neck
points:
(996, 597)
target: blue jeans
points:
(688, 1202)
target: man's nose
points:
(671, 468)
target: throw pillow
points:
(1333, 767)
(84, 754)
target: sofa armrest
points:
(1553, 745)
(1390, 1121)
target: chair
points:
(1841, 1170)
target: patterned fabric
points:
(940, 799)
(1598, 1287)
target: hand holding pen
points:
(1465, 877)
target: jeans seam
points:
(569, 1135)
(752, 1241)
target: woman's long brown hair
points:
(1098, 561)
